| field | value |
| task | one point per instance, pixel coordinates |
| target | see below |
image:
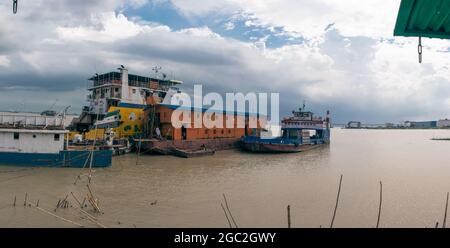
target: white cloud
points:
(229, 26)
(4, 61)
(352, 17)
(106, 27)
(355, 68)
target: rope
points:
(419, 49)
(14, 6)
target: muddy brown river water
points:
(164, 191)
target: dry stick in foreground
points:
(74, 197)
(92, 151)
(337, 202)
(445, 214)
(84, 166)
(232, 218)
(379, 207)
(289, 215)
(92, 200)
(90, 217)
(225, 212)
(59, 217)
(57, 205)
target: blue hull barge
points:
(67, 158)
(300, 132)
(38, 140)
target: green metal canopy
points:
(424, 18)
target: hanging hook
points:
(419, 49)
(15, 6)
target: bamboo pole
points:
(91, 218)
(225, 212)
(59, 217)
(337, 202)
(93, 149)
(91, 199)
(74, 197)
(57, 204)
(289, 215)
(65, 198)
(445, 214)
(379, 207)
(231, 215)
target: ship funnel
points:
(124, 79)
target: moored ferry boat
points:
(118, 100)
(300, 132)
(41, 140)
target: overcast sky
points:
(334, 54)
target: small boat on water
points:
(193, 153)
(300, 132)
(41, 140)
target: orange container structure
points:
(188, 131)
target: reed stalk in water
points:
(337, 202)
(381, 200)
(445, 214)
(289, 215)
(225, 212)
(231, 215)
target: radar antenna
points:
(156, 69)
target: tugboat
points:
(296, 134)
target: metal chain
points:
(419, 49)
(15, 6)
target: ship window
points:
(56, 137)
(16, 136)
(293, 134)
(34, 136)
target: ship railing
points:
(12, 120)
